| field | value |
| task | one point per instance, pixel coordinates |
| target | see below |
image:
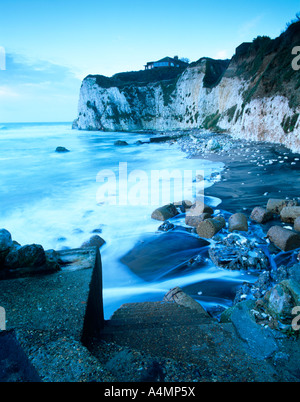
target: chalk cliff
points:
(255, 95)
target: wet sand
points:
(253, 173)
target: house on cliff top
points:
(166, 62)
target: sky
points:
(47, 47)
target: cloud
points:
(221, 54)
(7, 92)
(37, 90)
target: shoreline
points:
(254, 171)
(236, 197)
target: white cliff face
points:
(187, 104)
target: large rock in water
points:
(238, 222)
(158, 255)
(289, 214)
(275, 205)
(283, 238)
(94, 241)
(166, 212)
(61, 149)
(261, 215)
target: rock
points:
(31, 255)
(178, 296)
(5, 240)
(161, 138)
(210, 226)
(5, 244)
(213, 145)
(235, 257)
(259, 341)
(61, 149)
(289, 214)
(75, 124)
(293, 286)
(261, 215)
(297, 224)
(194, 221)
(94, 241)
(12, 258)
(183, 205)
(276, 205)
(238, 221)
(120, 143)
(155, 256)
(52, 261)
(284, 239)
(166, 212)
(194, 215)
(166, 226)
(279, 303)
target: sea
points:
(61, 199)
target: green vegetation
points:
(138, 78)
(267, 64)
(168, 88)
(211, 121)
(288, 123)
(214, 72)
(230, 112)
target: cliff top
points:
(142, 77)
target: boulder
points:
(194, 221)
(52, 263)
(235, 257)
(166, 226)
(210, 226)
(275, 205)
(31, 255)
(261, 215)
(290, 214)
(194, 215)
(5, 240)
(183, 205)
(178, 296)
(297, 224)
(61, 149)
(166, 212)
(238, 221)
(259, 341)
(279, 303)
(5, 244)
(213, 145)
(94, 241)
(284, 239)
(120, 143)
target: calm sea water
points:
(54, 199)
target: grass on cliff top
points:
(267, 64)
(142, 77)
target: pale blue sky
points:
(51, 45)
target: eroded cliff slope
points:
(255, 95)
